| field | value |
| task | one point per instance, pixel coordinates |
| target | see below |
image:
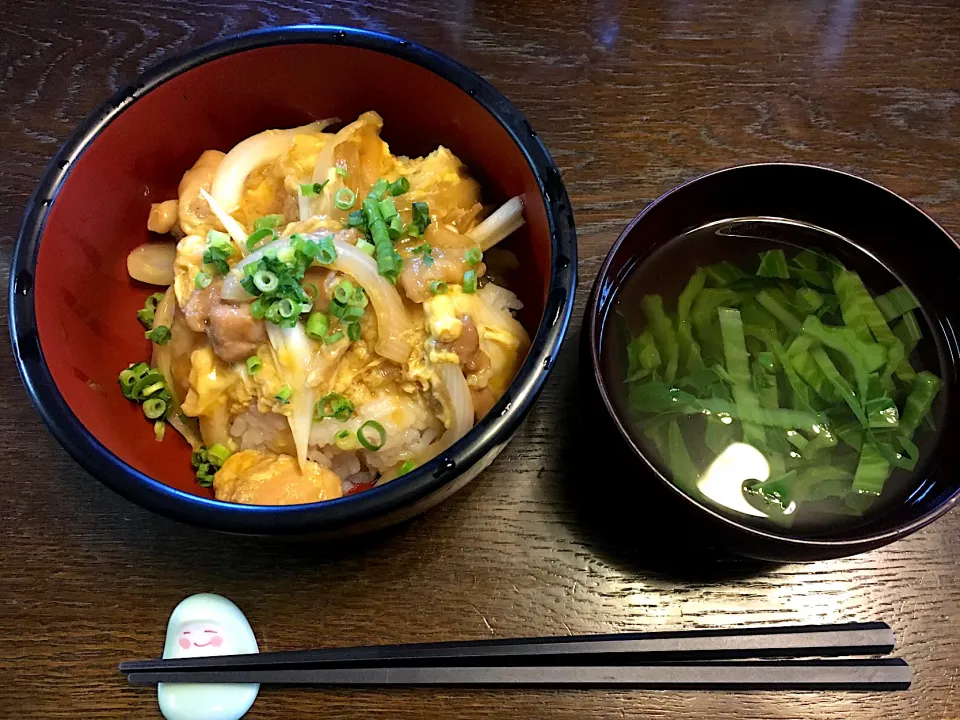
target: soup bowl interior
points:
(81, 329)
(869, 219)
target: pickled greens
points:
(797, 360)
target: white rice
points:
(254, 430)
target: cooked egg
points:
(212, 382)
(187, 264)
(255, 478)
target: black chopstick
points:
(796, 641)
(884, 674)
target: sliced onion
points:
(393, 324)
(293, 346)
(233, 227)
(152, 263)
(507, 219)
(499, 297)
(454, 394)
(325, 168)
(459, 399)
(250, 154)
(486, 313)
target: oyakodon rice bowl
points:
(73, 308)
(329, 322)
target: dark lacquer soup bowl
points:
(73, 306)
(728, 216)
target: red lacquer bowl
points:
(73, 307)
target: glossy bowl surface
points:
(72, 305)
(901, 237)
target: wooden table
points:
(631, 99)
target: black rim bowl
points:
(365, 511)
(917, 250)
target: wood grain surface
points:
(631, 98)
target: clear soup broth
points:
(775, 372)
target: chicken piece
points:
(193, 211)
(163, 216)
(446, 262)
(417, 273)
(254, 478)
(233, 332)
(467, 347)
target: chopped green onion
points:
(217, 454)
(426, 250)
(265, 281)
(216, 238)
(202, 280)
(154, 408)
(333, 337)
(356, 219)
(160, 335)
(217, 251)
(258, 308)
(283, 395)
(367, 248)
(363, 435)
(438, 287)
(327, 254)
(267, 222)
(145, 315)
(287, 308)
(407, 466)
(254, 363)
(343, 292)
(353, 331)
(333, 405)
(206, 465)
(359, 298)
(344, 440)
(342, 172)
(470, 281)
(131, 376)
(421, 216)
(378, 189)
(159, 430)
(344, 198)
(396, 227)
(473, 256)
(399, 186)
(205, 475)
(317, 325)
(387, 208)
(259, 235)
(312, 189)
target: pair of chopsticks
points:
(783, 657)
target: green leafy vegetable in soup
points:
(796, 377)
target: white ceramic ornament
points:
(203, 625)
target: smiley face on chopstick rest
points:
(204, 625)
